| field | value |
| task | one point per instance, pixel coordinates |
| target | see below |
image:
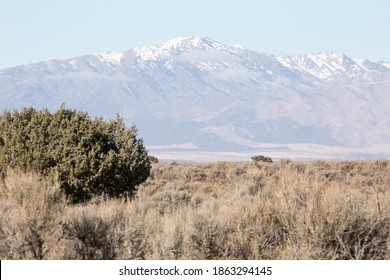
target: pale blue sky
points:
(32, 31)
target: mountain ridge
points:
(196, 94)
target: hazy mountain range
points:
(198, 99)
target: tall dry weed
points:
(30, 214)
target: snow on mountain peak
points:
(177, 46)
(324, 65)
(111, 57)
(179, 42)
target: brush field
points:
(224, 210)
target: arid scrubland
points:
(225, 210)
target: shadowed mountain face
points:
(198, 97)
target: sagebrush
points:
(225, 210)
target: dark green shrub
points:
(89, 157)
(261, 158)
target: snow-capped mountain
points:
(195, 98)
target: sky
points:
(32, 31)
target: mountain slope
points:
(197, 98)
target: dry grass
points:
(281, 210)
